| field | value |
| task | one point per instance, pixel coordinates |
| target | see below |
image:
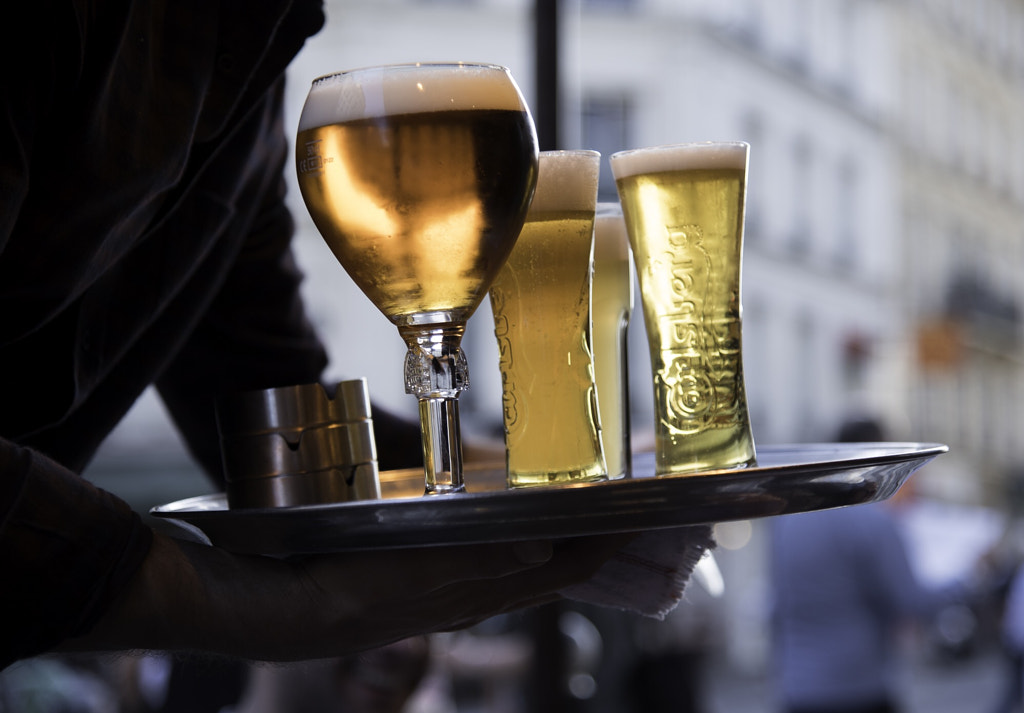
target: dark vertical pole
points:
(546, 692)
(545, 113)
(547, 689)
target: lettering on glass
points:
(313, 163)
(509, 403)
(687, 380)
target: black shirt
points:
(143, 239)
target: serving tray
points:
(787, 479)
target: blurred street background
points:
(883, 266)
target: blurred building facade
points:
(885, 207)
(884, 243)
(956, 125)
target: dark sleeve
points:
(255, 334)
(399, 444)
(67, 549)
(21, 94)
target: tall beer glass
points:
(419, 177)
(683, 207)
(612, 300)
(541, 305)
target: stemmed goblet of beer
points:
(419, 177)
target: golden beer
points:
(683, 207)
(612, 301)
(422, 209)
(541, 306)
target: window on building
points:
(752, 128)
(605, 127)
(800, 235)
(804, 377)
(848, 60)
(799, 55)
(748, 23)
(609, 4)
(847, 214)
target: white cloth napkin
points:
(649, 574)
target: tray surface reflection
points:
(788, 479)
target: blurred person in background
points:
(144, 240)
(1003, 566)
(842, 590)
(1012, 698)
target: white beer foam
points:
(407, 89)
(567, 180)
(679, 157)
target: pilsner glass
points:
(541, 306)
(419, 177)
(683, 206)
(612, 301)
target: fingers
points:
(574, 561)
(353, 601)
(429, 568)
(553, 564)
(533, 553)
(536, 564)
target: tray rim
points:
(909, 450)
(396, 521)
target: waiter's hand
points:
(193, 597)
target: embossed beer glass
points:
(683, 206)
(612, 306)
(541, 305)
(419, 177)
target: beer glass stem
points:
(442, 450)
(436, 373)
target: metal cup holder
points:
(298, 445)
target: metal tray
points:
(787, 479)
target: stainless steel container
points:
(298, 445)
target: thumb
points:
(534, 552)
